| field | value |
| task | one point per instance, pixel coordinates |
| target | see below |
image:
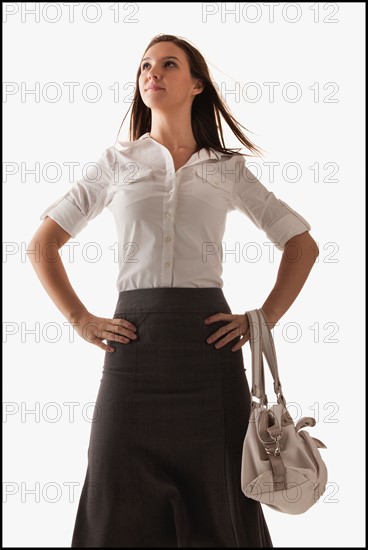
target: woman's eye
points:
(172, 62)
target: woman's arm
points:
(297, 260)
(43, 253)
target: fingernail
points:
(111, 349)
(205, 321)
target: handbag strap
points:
(268, 347)
(255, 341)
(261, 343)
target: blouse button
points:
(167, 264)
(167, 239)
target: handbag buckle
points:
(277, 450)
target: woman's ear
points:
(199, 86)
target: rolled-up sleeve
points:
(271, 214)
(86, 198)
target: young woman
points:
(173, 405)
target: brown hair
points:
(206, 107)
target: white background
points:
(319, 341)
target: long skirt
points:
(165, 448)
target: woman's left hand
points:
(238, 326)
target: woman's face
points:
(171, 75)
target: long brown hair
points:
(206, 106)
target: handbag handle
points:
(268, 346)
(255, 342)
(263, 344)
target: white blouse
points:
(170, 224)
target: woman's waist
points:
(172, 299)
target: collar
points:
(203, 154)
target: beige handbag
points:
(281, 464)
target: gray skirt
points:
(165, 447)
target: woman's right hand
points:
(95, 329)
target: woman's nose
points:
(154, 73)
